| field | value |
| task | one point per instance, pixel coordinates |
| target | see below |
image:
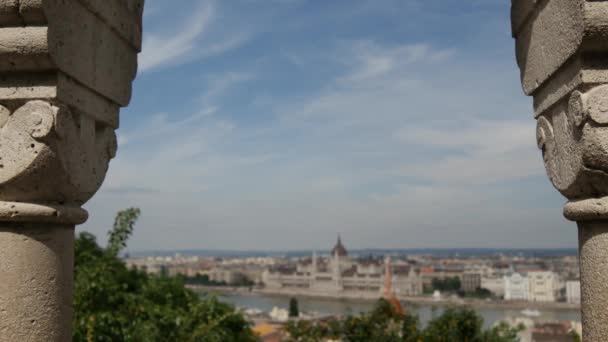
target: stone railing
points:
(562, 52)
(66, 67)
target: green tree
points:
(293, 308)
(123, 228)
(447, 284)
(455, 325)
(115, 303)
(385, 324)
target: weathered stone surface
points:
(552, 34)
(561, 48)
(125, 20)
(562, 52)
(62, 81)
(593, 245)
(36, 264)
(66, 67)
(574, 139)
(42, 142)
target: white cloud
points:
(159, 50)
(388, 149)
(217, 85)
(372, 61)
(189, 41)
(478, 152)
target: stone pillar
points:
(562, 52)
(66, 67)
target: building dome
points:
(339, 248)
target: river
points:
(424, 312)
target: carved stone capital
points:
(562, 52)
(66, 67)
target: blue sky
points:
(273, 124)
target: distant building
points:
(440, 272)
(573, 291)
(495, 285)
(516, 287)
(543, 286)
(470, 282)
(553, 332)
(339, 275)
(227, 276)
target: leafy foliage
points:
(447, 284)
(123, 228)
(114, 303)
(204, 280)
(385, 324)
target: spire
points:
(339, 248)
(388, 278)
(314, 262)
(389, 295)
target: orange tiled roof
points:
(264, 329)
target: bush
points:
(114, 303)
(385, 324)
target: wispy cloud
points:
(187, 41)
(332, 119)
(372, 61)
(473, 152)
(168, 48)
(218, 85)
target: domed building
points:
(339, 249)
(337, 275)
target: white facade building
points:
(573, 291)
(495, 285)
(543, 286)
(516, 287)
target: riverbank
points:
(419, 300)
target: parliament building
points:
(337, 275)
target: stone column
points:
(66, 67)
(562, 52)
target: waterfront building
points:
(339, 275)
(495, 285)
(543, 286)
(481, 268)
(470, 282)
(573, 291)
(440, 272)
(516, 287)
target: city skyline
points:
(245, 136)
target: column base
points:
(587, 209)
(49, 213)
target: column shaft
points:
(593, 242)
(36, 280)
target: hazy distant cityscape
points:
(537, 288)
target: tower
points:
(337, 271)
(389, 295)
(313, 269)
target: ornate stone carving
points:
(66, 68)
(573, 136)
(562, 50)
(41, 141)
